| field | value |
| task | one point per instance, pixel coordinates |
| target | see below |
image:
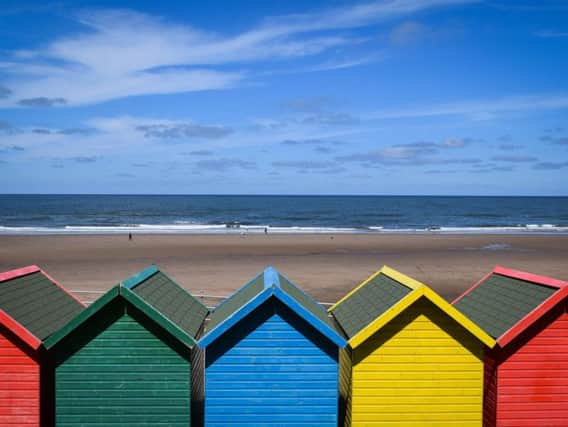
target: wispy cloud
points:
(550, 34)
(11, 149)
(407, 32)
(84, 159)
(4, 92)
(550, 165)
(126, 53)
(477, 109)
(223, 164)
(557, 140)
(302, 164)
(183, 130)
(200, 153)
(515, 158)
(510, 147)
(412, 154)
(42, 102)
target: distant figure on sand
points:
(265, 230)
(129, 236)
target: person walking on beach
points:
(129, 236)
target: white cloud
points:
(124, 53)
(477, 109)
(549, 34)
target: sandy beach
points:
(326, 265)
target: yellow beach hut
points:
(413, 359)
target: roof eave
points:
(260, 299)
(527, 321)
(19, 330)
(81, 318)
(385, 318)
(157, 317)
(24, 271)
(326, 330)
(407, 301)
(130, 297)
(234, 318)
(459, 317)
(403, 279)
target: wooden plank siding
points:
(122, 370)
(423, 368)
(274, 369)
(490, 389)
(532, 380)
(345, 387)
(19, 383)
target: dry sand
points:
(325, 265)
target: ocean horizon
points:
(30, 214)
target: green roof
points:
(169, 298)
(368, 302)
(499, 302)
(236, 301)
(38, 304)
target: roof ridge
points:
(356, 288)
(271, 278)
(420, 290)
(529, 277)
(309, 296)
(119, 291)
(237, 291)
(410, 282)
(19, 272)
(193, 297)
(385, 270)
(132, 281)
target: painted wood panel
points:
(345, 387)
(272, 369)
(532, 381)
(420, 369)
(19, 384)
(125, 375)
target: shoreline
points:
(461, 231)
(326, 265)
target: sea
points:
(243, 214)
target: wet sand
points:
(327, 266)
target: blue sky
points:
(253, 97)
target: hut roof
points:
(35, 304)
(121, 291)
(505, 302)
(169, 298)
(263, 286)
(383, 296)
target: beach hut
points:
(32, 307)
(527, 371)
(412, 358)
(125, 360)
(271, 358)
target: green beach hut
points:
(126, 359)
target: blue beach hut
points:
(271, 357)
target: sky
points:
(406, 97)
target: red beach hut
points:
(32, 307)
(526, 373)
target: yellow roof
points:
(418, 290)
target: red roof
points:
(13, 325)
(535, 314)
